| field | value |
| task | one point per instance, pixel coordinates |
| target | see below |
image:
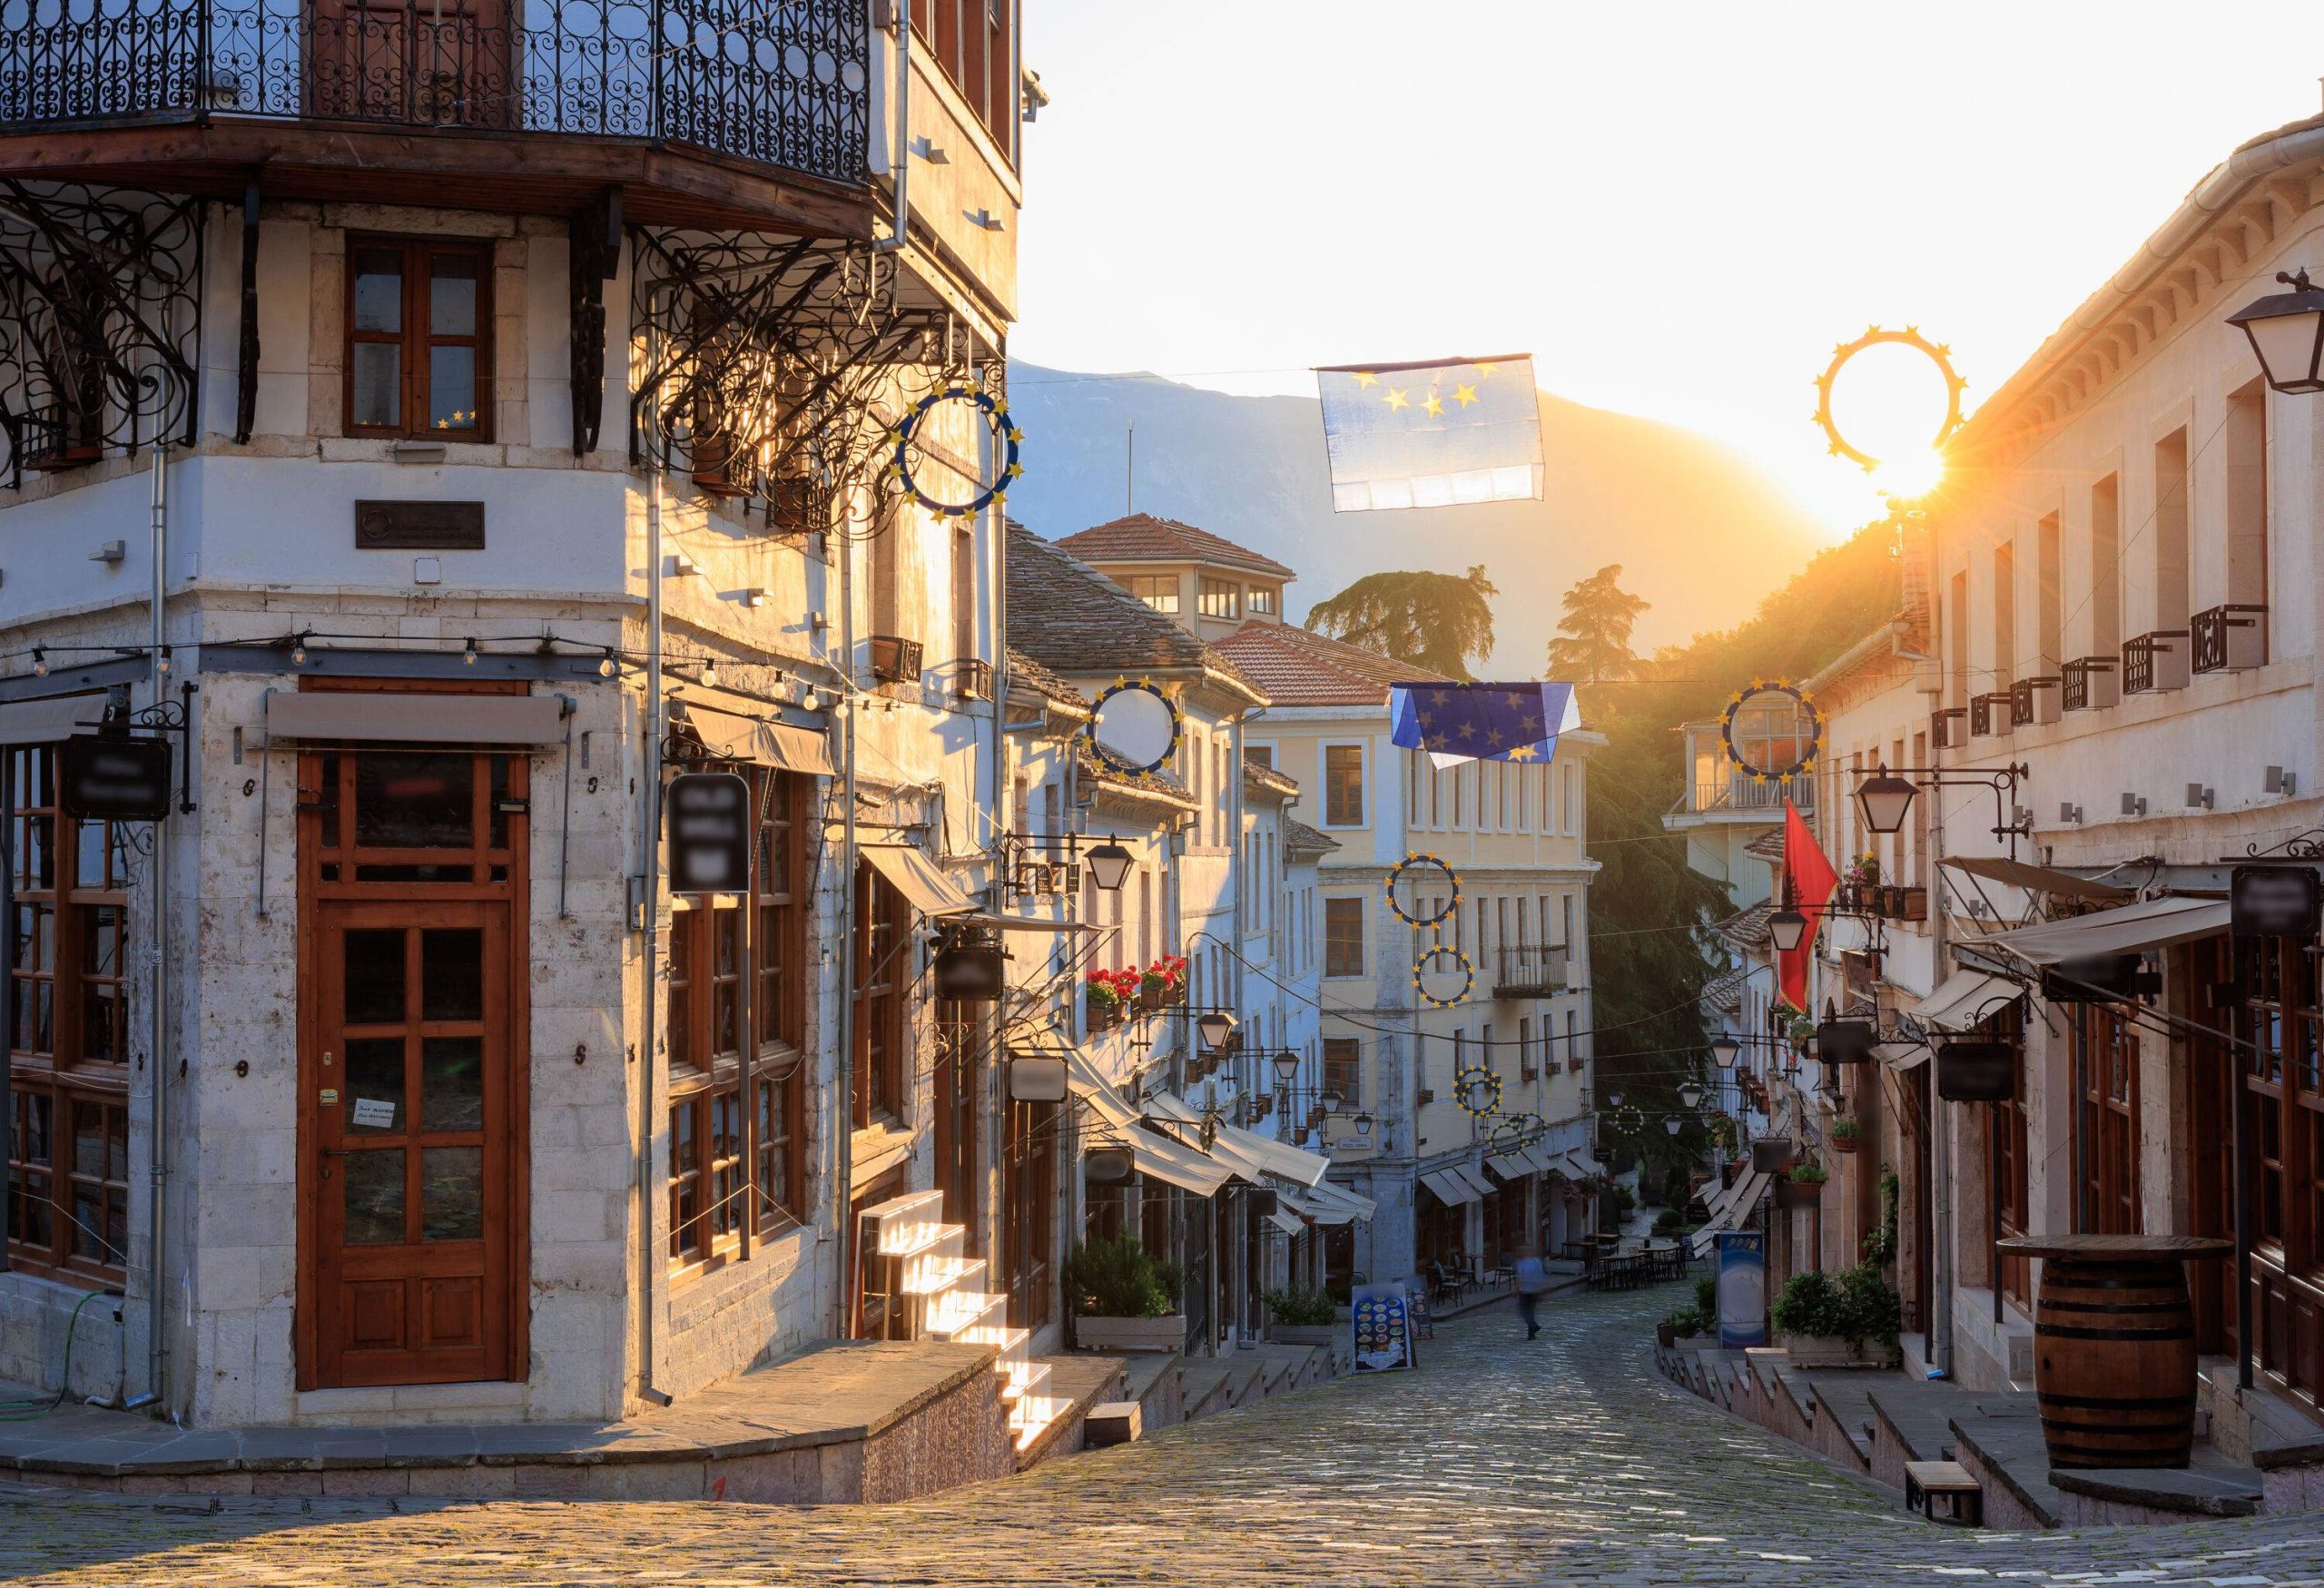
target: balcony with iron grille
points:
(2155, 662)
(1529, 970)
(2230, 638)
(1743, 793)
(706, 111)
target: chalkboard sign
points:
(2275, 900)
(113, 778)
(709, 832)
(969, 968)
(1976, 1072)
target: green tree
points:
(1436, 621)
(1593, 640)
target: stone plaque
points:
(420, 526)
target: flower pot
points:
(1836, 1351)
(1102, 1016)
(1131, 1334)
(1150, 997)
(1790, 1195)
(1844, 1143)
(1665, 1336)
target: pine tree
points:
(1435, 621)
(1593, 640)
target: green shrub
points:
(1707, 1294)
(1625, 1200)
(1299, 1307)
(1117, 1278)
(1688, 1322)
(1846, 1128)
(1808, 1173)
(1668, 1221)
(1856, 1305)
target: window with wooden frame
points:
(737, 1161)
(1342, 937)
(1343, 786)
(2107, 1120)
(2013, 1195)
(1029, 1193)
(418, 347)
(883, 975)
(975, 43)
(2283, 1011)
(1219, 598)
(1342, 1058)
(68, 1073)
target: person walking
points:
(1532, 1284)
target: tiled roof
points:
(1161, 784)
(1726, 992)
(1258, 775)
(1143, 537)
(1072, 618)
(1299, 668)
(1023, 670)
(1298, 838)
(1768, 845)
(1748, 929)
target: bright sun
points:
(1889, 400)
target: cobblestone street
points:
(1563, 1461)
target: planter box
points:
(1836, 1351)
(1844, 1143)
(1305, 1334)
(1130, 1334)
(1789, 1196)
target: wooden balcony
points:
(704, 111)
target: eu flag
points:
(1482, 722)
(1436, 434)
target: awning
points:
(2133, 928)
(1289, 1223)
(1449, 1188)
(1901, 1055)
(1509, 1166)
(1749, 1189)
(415, 719)
(2039, 879)
(1263, 1154)
(1584, 1164)
(1543, 1160)
(1329, 1202)
(1156, 1156)
(917, 878)
(37, 722)
(737, 726)
(1023, 923)
(1476, 1176)
(1965, 998)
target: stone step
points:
(1025, 1378)
(962, 1307)
(931, 1273)
(902, 1221)
(1013, 1345)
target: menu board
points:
(1380, 1315)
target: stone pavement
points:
(1568, 1460)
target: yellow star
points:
(1367, 377)
(1433, 407)
(1397, 399)
(1015, 434)
(1522, 752)
(1484, 371)
(1464, 395)
(1015, 469)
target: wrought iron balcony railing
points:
(2230, 637)
(2155, 661)
(1948, 728)
(786, 86)
(1741, 793)
(2090, 684)
(1529, 970)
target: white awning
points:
(1584, 1164)
(1289, 1223)
(1965, 998)
(1901, 1055)
(1156, 1156)
(1329, 1202)
(1449, 1188)
(37, 721)
(1749, 1189)
(1509, 1166)
(1023, 923)
(1475, 1175)
(2134, 928)
(1543, 1160)
(917, 878)
(2038, 879)
(415, 719)
(746, 735)
(1264, 1154)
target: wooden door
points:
(408, 1162)
(435, 63)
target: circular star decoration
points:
(1430, 962)
(1477, 1088)
(1452, 887)
(1910, 337)
(1112, 760)
(995, 410)
(1629, 1121)
(1811, 741)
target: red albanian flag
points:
(1809, 879)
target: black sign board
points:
(1844, 1042)
(420, 526)
(969, 968)
(2275, 900)
(710, 833)
(1976, 1072)
(2095, 979)
(103, 778)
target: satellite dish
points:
(1133, 728)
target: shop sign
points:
(1976, 1072)
(2275, 900)
(1742, 1288)
(969, 968)
(709, 832)
(1382, 1318)
(103, 777)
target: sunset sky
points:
(1657, 202)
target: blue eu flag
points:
(1482, 722)
(1437, 434)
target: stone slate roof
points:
(1299, 668)
(1747, 928)
(1161, 784)
(1071, 618)
(1725, 992)
(1768, 845)
(1026, 673)
(1258, 778)
(1143, 537)
(1298, 838)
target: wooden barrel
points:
(2114, 1349)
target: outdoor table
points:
(2115, 1345)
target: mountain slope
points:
(1702, 535)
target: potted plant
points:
(1174, 978)
(1800, 1031)
(1684, 1324)
(1125, 1299)
(1302, 1318)
(1152, 985)
(1846, 1132)
(1802, 1186)
(1845, 1320)
(1102, 1001)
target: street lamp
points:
(1364, 1124)
(2287, 332)
(1109, 865)
(1215, 1027)
(1690, 1095)
(1329, 1099)
(1673, 1123)
(1286, 1067)
(1885, 799)
(1787, 927)
(1725, 1050)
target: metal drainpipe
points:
(1940, 1142)
(899, 153)
(158, 1040)
(849, 859)
(649, 854)
(999, 521)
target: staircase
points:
(936, 1291)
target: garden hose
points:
(26, 1411)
